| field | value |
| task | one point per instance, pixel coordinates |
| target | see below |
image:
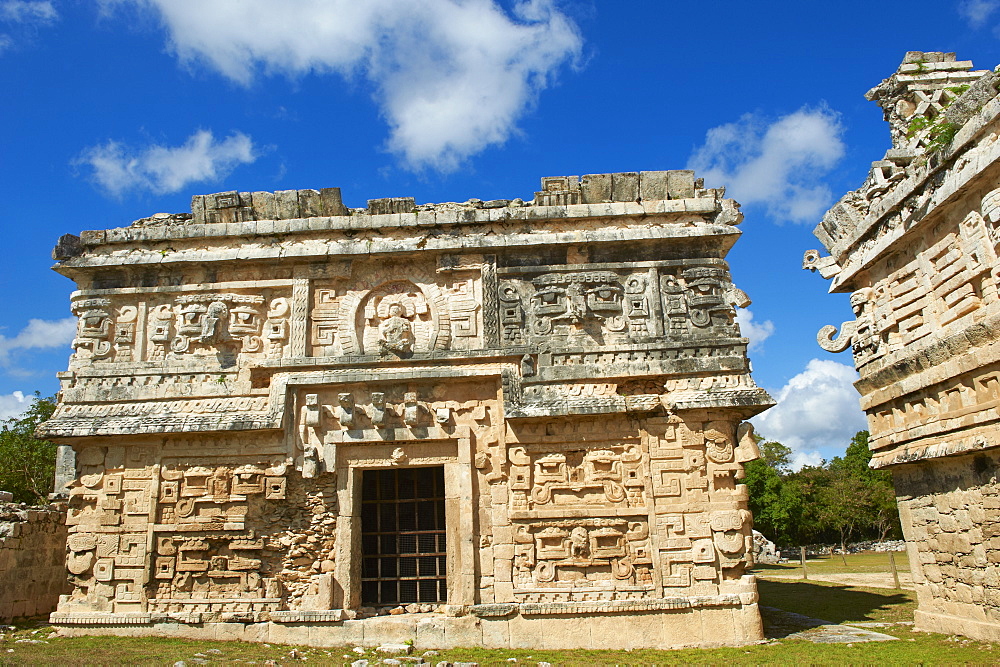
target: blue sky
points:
(118, 109)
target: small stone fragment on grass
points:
(395, 649)
(430, 654)
(214, 651)
(359, 663)
(180, 663)
(358, 650)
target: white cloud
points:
(12, 405)
(23, 17)
(976, 12)
(779, 165)
(757, 332)
(39, 334)
(164, 169)
(20, 11)
(451, 77)
(801, 459)
(818, 409)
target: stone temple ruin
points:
(493, 423)
(917, 248)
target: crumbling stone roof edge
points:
(361, 222)
(974, 109)
(892, 204)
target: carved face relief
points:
(729, 533)
(574, 305)
(858, 301)
(574, 553)
(699, 298)
(865, 343)
(93, 328)
(719, 442)
(705, 294)
(214, 320)
(572, 298)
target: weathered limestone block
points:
(490, 423)
(917, 247)
(32, 571)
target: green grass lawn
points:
(832, 602)
(914, 648)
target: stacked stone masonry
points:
(32, 569)
(917, 247)
(497, 423)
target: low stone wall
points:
(32, 559)
(880, 547)
(951, 517)
(792, 551)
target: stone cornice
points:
(877, 224)
(313, 245)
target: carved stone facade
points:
(917, 247)
(496, 423)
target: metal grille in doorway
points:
(403, 536)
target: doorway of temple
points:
(404, 555)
